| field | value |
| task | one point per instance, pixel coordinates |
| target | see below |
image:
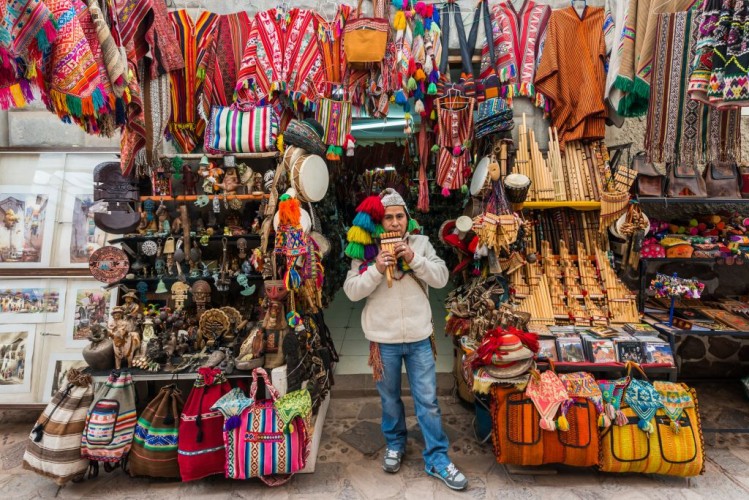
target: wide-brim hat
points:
(510, 370)
(305, 134)
(131, 295)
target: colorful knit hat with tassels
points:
(367, 224)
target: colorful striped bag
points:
(232, 130)
(267, 438)
(110, 422)
(54, 447)
(154, 450)
(661, 434)
(200, 441)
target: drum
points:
(305, 219)
(463, 224)
(481, 183)
(322, 243)
(309, 176)
(290, 155)
(516, 189)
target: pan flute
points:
(387, 242)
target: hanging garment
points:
(455, 119)
(303, 60)
(729, 78)
(186, 127)
(134, 134)
(619, 10)
(518, 42)
(571, 73)
(262, 65)
(330, 40)
(222, 61)
(679, 129)
(115, 59)
(702, 64)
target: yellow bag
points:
(365, 38)
(675, 447)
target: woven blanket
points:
(115, 60)
(702, 64)
(134, 134)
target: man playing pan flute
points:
(397, 321)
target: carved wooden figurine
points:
(126, 342)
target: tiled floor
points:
(343, 317)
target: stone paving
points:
(345, 472)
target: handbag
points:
(54, 446)
(154, 450)
(722, 179)
(335, 117)
(516, 434)
(661, 434)
(649, 181)
(365, 38)
(684, 182)
(231, 130)
(265, 438)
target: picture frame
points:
(80, 236)
(57, 367)
(571, 350)
(28, 215)
(25, 301)
(87, 302)
(16, 357)
(547, 349)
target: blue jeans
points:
(422, 378)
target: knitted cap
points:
(391, 198)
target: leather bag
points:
(722, 179)
(649, 181)
(685, 182)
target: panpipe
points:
(387, 242)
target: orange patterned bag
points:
(515, 431)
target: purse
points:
(154, 449)
(365, 38)
(231, 130)
(722, 179)
(649, 181)
(684, 182)
(335, 117)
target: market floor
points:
(344, 472)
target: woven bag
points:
(365, 38)
(232, 130)
(515, 432)
(674, 446)
(154, 450)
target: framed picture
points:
(27, 215)
(80, 237)
(547, 349)
(59, 364)
(88, 304)
(32, 301)
(603, 351)
(571, 350)
(16, 354)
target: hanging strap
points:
(452, 8)
(482, 6)
(264, 375)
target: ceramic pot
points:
(99, 355)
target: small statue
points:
(126, 342)
(177, 225)
(170, 347)
(131, 307)
(211, 175)
(230, 182)
(162, 215)
(189, 181)
(148, 335)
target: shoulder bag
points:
(649, 181)
(685, 181)
(365, 38)
(722, 179)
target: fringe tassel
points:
(375, 362)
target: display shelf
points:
(574, 205)
(649, 368)
(141, 238)
(656, 200)
(182, 197)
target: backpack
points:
(54, 447)
(110, 423)
(201, 440)
(154, 450)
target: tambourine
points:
(108, 264)
(481, 183)
(309, 176)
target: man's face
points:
(395, 220)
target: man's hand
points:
(384, 259)
(403, 251)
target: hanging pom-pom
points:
(420, 7)
(604, 421)
(445, 192)
(373, 206)
(400, 97)
(411, 66)
(419, 107)
(293, 319)
(359, 235)
(675, 427)
(435, 148)
(364, 221)
(370, 252)
(645, 425)
(621, 419)
(420, 76)
(279, 143)
(232, 423)
(350, 145)
(562, 423)
(610, 411)
(399, 21)
(432, 89)
(411, 85)
(413, 226)
(547, 424)
(289, 212)
(457, 150)
(354, 250)
(476, 271)
(433, 116)
(418, 28)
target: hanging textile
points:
(73, 82)
(680, 129)
(222, 61)
(134, 134)
(262, 66)
(27, 31)
(330, 40)
(571, 73)
(186, 127)
(518, 42)
(455, 118)
(702, 64)
(303, 60)
(618, 32)
(115, 59)
(637, 53)
(729, 78)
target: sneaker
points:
(451, 476)
(392, 461)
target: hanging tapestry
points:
(115, 59)
(571, 73)
(729, 79)
(186, 127)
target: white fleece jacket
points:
(399, 314)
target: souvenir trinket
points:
(109, 264)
